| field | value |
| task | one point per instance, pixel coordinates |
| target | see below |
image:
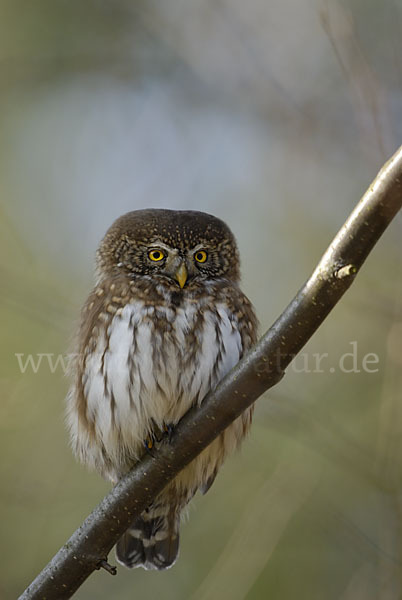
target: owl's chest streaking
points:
(149, 363)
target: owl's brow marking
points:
(196, 248)
(159, 244)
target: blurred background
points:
(274, 116)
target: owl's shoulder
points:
(242, 311)
(107, 300)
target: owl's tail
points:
(152, 541)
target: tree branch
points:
(259, 370)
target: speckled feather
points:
(148, 350)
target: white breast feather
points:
(143, 390)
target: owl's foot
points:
(157, 436)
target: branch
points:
(259, 370)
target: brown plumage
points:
(164, 323)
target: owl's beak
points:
(181, 275)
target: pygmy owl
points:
(164, 323)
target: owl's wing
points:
(247, 325)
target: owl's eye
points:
(201, 256)
(156, 255)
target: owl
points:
(164, 323)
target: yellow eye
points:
(156, 255)
(201, 256)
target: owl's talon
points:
(148, 445)
(169, 431)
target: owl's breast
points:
(152, 363)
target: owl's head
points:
(175, 246)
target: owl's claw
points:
(169, 431)
(148, 445)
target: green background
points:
(275, 116)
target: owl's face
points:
(182, 248)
